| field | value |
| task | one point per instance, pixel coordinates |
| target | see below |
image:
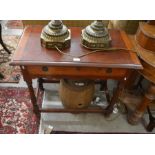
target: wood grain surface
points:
(30, 52)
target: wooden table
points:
(38, 62)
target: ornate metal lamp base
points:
(95, 36)
(47, 43)
(55, 34)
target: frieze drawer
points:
(85, 72)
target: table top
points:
(30, 51)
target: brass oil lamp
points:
(96, 36)
(55, 34)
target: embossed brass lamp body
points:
(55, 34)
(96, 36)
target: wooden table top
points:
(30, 51)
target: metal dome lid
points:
(96, 36)
(55, 28)
(96, 29)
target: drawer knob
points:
(45, 68)
(109, 70)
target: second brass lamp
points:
(96, 36)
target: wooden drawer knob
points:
(45, 68)
(109, 70)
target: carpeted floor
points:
(10, 74)
(16, 114)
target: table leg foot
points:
(134, 118)
(150, 127)
(151, 124)
(108, 111)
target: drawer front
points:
(81, 72)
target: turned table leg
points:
(28, 80)
(131, 78)
(104, 88)
(40, 81)
(135, 117)
(114, 99)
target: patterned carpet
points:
(11, 74)
(16, 115)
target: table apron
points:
(76, 72)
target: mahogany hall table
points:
(36, 61)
